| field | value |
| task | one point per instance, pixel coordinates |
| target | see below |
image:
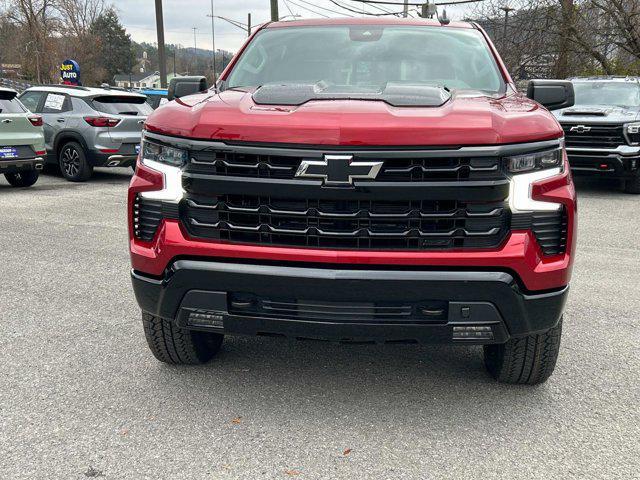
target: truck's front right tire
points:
(526, 360)
(632, 185)
(177, 346)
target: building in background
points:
(140, 80)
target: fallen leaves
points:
(237, 421)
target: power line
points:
(359, 12)
(327, 9)
(289, 8)
(308, 9)
(383, 2)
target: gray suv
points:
(88, 127)
(602, 129)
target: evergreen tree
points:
(114, 48)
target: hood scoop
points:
(586, 112)
(395, 94)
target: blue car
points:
(156, 96)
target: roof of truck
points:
(367, 21)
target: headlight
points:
(155, 152)
(528, 169)
(169, 161)
(535, 161)
(632, 132)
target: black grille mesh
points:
(354, 224)
(414, 169)
(147, 215)
(550, 230)
(598, 136)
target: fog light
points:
(206, 318)
(472, 333)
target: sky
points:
(181, 16)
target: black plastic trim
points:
(520, 313)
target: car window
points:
(31, 100)
(11, 106)
(56, 103)
(122, 105)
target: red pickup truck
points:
(358, 180)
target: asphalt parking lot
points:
(81, 396)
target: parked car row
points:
(101, 127)
(77, 129)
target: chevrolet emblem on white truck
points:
(580, 129)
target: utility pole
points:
(162, 59)
(274, 11)
(405, 10)
(506, 9)
(248, 24)
(213, 43)
(195, 51)
(428, 10)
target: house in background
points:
(140, 80)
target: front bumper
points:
(355, 305)
(21, 165)
(610, 163)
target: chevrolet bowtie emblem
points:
(338, 170)
(580, 129)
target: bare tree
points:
(36, 20)
(80, 14)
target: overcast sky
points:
(180, 16)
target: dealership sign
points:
(70, 72)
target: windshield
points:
(607, 93)
(366, 56)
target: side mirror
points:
(553, 94)
(183, 86)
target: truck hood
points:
(603, 114)
(468, 118)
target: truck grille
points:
(420, 200)
(352, 224)
(599, 136)
(408, 169)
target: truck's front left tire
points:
(22, 179)
(177, 346)
(526, 360)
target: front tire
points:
(73, 163)
(632, 185)
(526, 360)
(177, 346)
(22, 179)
